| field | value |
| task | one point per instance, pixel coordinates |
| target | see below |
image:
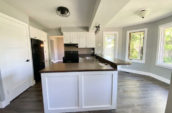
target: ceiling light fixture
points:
(143, 13)
(62, 11)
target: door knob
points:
(27, 60)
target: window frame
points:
(144, 45)
(107, 32)
(160, 46)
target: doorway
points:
(110, 44)
(38, 58)
(56, 48)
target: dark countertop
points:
(113, 60)
(85, 64)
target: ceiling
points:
(110, 13)
(44, 11)
(128, 15)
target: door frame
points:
(115, 33)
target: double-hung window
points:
(136, 45)
(164, 56)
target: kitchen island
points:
(84, 86)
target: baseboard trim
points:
(162, 79)
(20, 88)
(3, 104)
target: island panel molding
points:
(79, 91)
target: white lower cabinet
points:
(79, 91)
(97, 90)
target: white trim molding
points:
(144, 45)
(3, 104)
(160, 46)
(160, 78)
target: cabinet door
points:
(74, 38)
(82, 39)
(97, 89)
(60, 91)
(67, 37)
(91, 40)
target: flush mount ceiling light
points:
(62, 11)
(143, 13)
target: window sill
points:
(164, 66)
(136, 61)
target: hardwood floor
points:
(136, 94)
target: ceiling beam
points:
(104, 11)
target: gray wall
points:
(151, 49)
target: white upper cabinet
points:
(91, 40)
(67, 37)
(83, 39)
(74, 38)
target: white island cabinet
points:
(79, 91)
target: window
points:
(110, 47)
(136, 45)
(164, 56)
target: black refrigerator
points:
(38, 58)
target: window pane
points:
(167, 55)
(109, 45)
(136, 45)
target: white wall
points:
(54, 32)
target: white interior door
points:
(16, 73)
